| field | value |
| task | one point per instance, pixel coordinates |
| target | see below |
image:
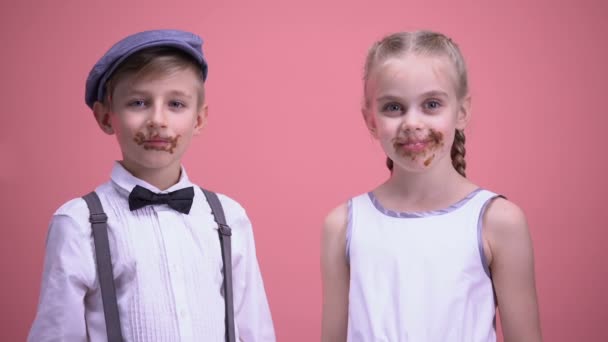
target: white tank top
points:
(421, 276)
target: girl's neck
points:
(433, 189)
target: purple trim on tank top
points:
(484, 261)
(391, 213)
(419, 214)
(349, 228)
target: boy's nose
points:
(158, 118)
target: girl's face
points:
(413, 109)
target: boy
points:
(166, 258)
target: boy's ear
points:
(464, 113)
(201, 119)
(102, 116)
(370, 122)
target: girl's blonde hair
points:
(425, 43)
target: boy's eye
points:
(177, 104)
(137, 103)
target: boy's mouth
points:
(156, 142)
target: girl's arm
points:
(511, 261)
(335, 276)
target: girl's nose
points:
(412, 121)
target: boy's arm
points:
(335, 275)
(512, 265)
(251, 310)
(60, 315)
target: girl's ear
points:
(102, 116)
(464, 113)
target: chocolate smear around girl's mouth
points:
(435, 142)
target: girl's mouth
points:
(412, 147)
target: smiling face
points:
(413, 109)
(154, 118)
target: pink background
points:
(286, 138)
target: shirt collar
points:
(124, 181)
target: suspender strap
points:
(104, 266)
(106, 277)
(224, 233)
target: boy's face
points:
(154, 119)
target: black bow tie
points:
(180, 200)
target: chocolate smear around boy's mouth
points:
(140, 139)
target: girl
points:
(427, 255)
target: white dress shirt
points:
(167, 269)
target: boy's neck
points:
(161, 178)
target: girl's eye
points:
(392, 107)
(432, 104)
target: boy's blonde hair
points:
(154, 62)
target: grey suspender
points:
(104, 264)
(225, 233)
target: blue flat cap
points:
(103, 69)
